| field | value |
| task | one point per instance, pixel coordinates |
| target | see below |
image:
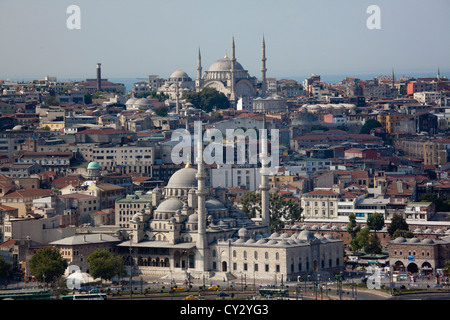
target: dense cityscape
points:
(225, 185)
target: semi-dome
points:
(93, 165)
(170, 205)
(214, 204)
(224, 64)
(183, 178)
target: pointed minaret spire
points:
(439, 75)
(199, 65)
(393, 78)
(263, 69)
(233, 68)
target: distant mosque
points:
(226, 75)
(229, 77)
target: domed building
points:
(93, 171)
(228, 76)
(189, 227)
(142, 104)
(178, 83)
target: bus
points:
(273, 292)
(89, 296)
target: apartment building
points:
(126, 158)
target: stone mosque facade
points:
(228, 76)
(188, 228)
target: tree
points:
(281, 210)
(207, 99)
(251, 203)
(375, 221)
(87, 98)
(441, 205)
(369, 125)
(373, 245)
(352, 227)
(47, 265)
(361, 240)
(102, 264)
(397, 223)
(161, 111)
(51, 101)
(4, 268)
(402, 233)
(446, 268)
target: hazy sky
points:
(136, 38)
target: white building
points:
(427, 97)
(227, 176)
(270, 104)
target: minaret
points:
(394, 92)
(263, 69)
(233, 69)
(199, 65)
(99, 76)
(438, 75)
(264, 187)
(177, 98)
(393, 79)
(201, 262)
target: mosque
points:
(189, 229)
(226, 75)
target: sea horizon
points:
(129, 81)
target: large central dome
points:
(224, 65)
(183, 178)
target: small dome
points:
(306, 236)
(414, 240)
(428, 241)
(93, 165)
(274, 235)
(243, 232)
(400, 240)
(170, 205)
(179, 75)
(193, 218)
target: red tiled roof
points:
(322, 192)
(28, 193)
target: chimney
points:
(99, 76)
